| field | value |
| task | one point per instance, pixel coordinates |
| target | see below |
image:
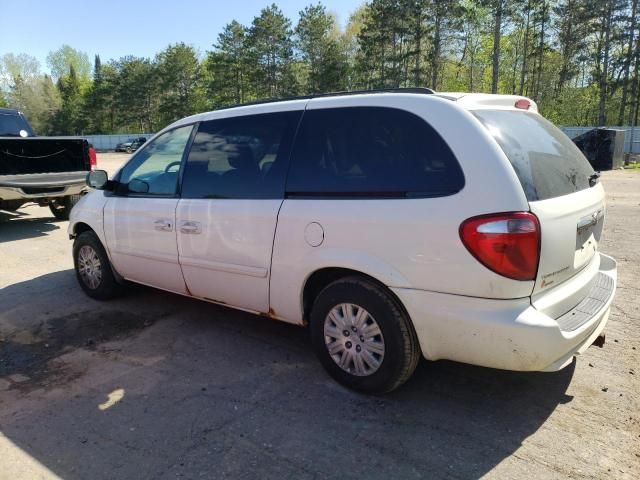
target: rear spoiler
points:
(493, 101)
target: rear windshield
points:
(11, 124)
(546, 161)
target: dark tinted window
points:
(371, 152)
(547, 162)
(12, 123)
(240, 157)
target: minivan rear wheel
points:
(362, 336)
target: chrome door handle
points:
(190, 227)
(163, 225)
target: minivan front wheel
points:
(93, 269)
(362, 336)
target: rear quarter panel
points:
(404, 243)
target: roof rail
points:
(417, 90)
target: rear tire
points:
(61, 207)
(362, 336)
(93, 269)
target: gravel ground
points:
(154, 385)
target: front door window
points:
(154, 170)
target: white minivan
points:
(396, 224)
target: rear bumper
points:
(42, 185)
(504, 334)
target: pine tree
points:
(180, 75)
(228, 67)
(270, 49)
(321, 52)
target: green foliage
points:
(578, 59)
(323, 57)
(24, 88)
(62, 59)
(228, 68)
(270, 51)
(71, 117)
(179, 81)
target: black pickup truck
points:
(45, 170)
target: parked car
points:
(137, 143)
(130, 145)
(397, 225)
(47, 170)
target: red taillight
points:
(523, 104)
(507, 243)
(93, 158)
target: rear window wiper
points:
(593, 179)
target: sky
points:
(116, 28)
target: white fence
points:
(109, 142)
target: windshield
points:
(11, 124)
(547, 162)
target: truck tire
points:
(61, 207)
(362, 336)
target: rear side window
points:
(371, 152)
(547, 162)
(240, 157)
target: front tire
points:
(362, 336)
(93, 269)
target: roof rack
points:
(417, 90)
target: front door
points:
(139, 220)
(232, 190)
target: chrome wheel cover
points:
(89, 267)
(353, 339)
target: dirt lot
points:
(155, 385)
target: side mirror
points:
(138, 186)
(97, 179)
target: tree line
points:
(579, 59)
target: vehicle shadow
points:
(155, 385)
(16, 225)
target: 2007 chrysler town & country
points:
(396, 224)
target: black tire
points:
(61, 207)
(401, 347)
(108, 287)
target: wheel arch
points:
(322, 277)
(81, 227)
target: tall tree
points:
(69, 120)
(629, 40)
(572, 28)
(635, 87)
(26, 89)
(137, 94)
(229, 67)
(65, 57)
(270, 46)
(180, 76)
(498, 8)
(319, 44)
(607, 16)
